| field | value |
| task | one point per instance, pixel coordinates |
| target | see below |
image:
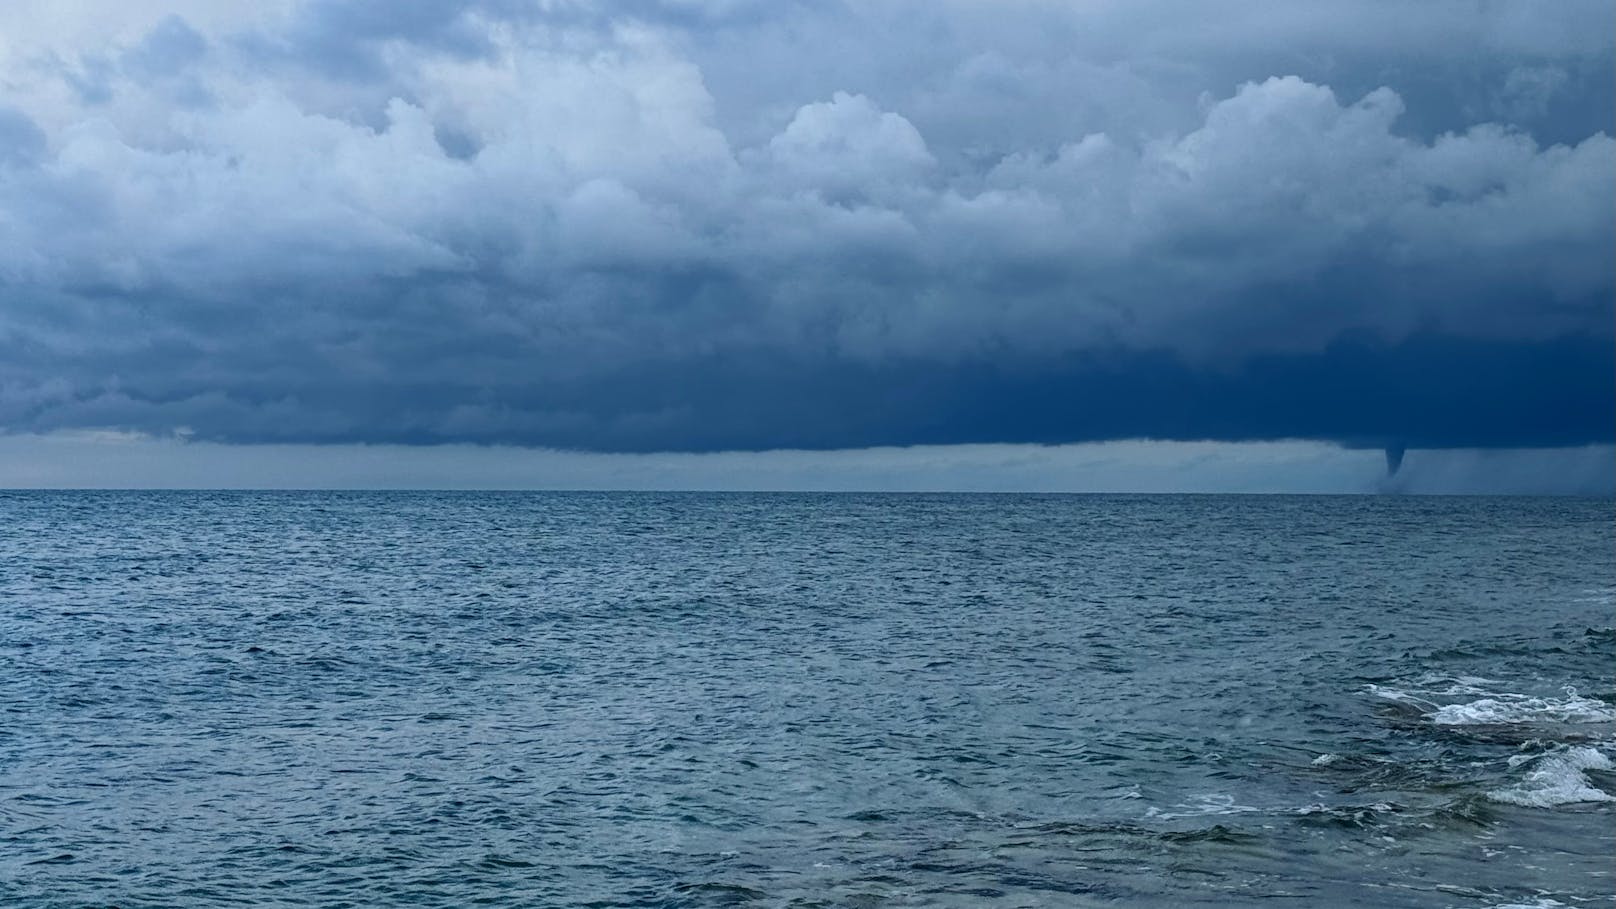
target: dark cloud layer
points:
(1426, 392)
(702, 226)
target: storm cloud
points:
(686, 226)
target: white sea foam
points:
(1203, 806)
(1557, 778)
(1221, 804)
(1552, 777)
(1495, 708)
(1517, 708)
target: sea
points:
(358, 699)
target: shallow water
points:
(804, 700)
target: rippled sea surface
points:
(423, 699)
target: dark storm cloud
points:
(1426, 392)
(667, 226)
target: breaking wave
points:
(1440, 700)
(1557, 735)
(1557, 777)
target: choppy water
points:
(804, 700)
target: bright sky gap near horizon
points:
(863, 245)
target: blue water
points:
(421, 699)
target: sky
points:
(1022, 244)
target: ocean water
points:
(424, 699)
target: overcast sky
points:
(260, 233)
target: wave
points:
(1215, 804)
(1220, 804)
(1492, 707)
(1559, 737)
(1557, 778)
(1519, 708)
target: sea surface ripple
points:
(578, 699)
